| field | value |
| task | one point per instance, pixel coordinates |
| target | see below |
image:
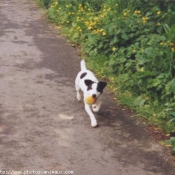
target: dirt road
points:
(43, 129)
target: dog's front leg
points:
(97, 105)
(92, 117)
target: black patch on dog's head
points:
(83, 75)
(88, 83)
(101, 86)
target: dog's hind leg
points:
(77, 87)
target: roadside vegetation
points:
(131, 43)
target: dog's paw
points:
(94, 124)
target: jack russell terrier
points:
(91, 86)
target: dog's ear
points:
(88, 82)
(101, 86)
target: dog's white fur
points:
(82, 81)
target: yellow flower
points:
(142, 69)
(87, 23)
(158, 24)
(91, 23)
(172, 49)
(158, 13)
(111, 79)
(96, 31)
(144, 19)
(104, 33)
(89, 27)
(134, 51)
(114, 49)
(137, 12)
(59, 27)
(116, 5)
(125, 14)
(171, 44)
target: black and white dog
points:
(89, 84)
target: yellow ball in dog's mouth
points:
(90, 100)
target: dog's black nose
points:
(94, 95)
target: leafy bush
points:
(133, 43)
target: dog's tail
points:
(83, 65)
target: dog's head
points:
(94, 89)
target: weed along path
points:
(43, 129)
